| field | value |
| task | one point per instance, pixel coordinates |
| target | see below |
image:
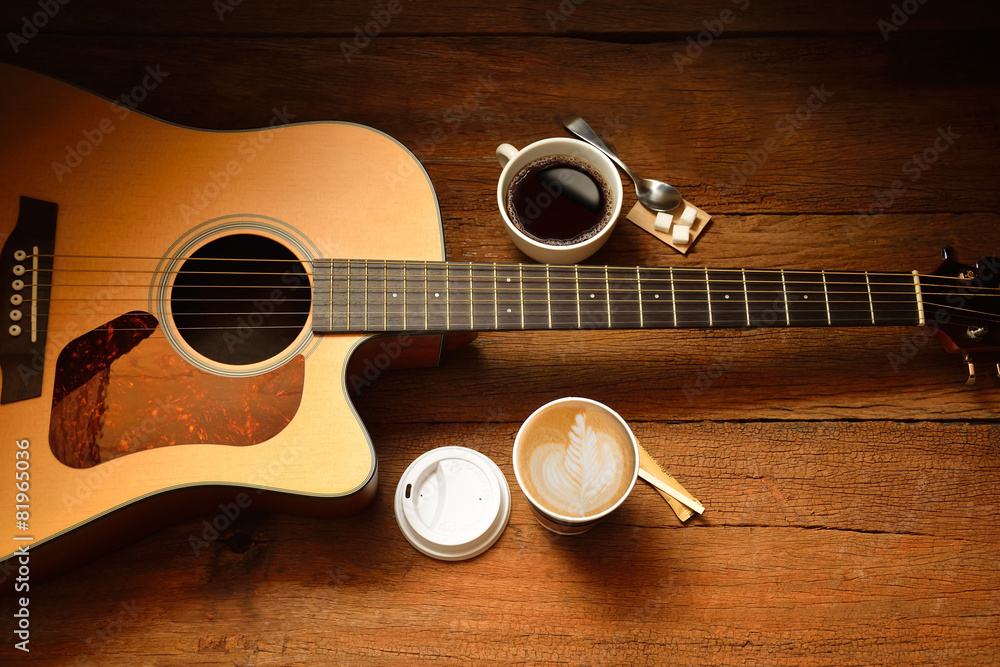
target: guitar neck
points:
(415, 296)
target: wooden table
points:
(850, 476)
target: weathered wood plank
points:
(613, 20)
(734, 130)
(829, 542)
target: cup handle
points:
(505, 153)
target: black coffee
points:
(559, 200)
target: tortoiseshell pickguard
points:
(117, 395)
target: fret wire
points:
(385, 296)
(426, 300)
(826, 295)
(607, 292)
(871, 302)
(496, 299)
(366, 295)
(784, 290)
(330, 301)
(708, 297)
(638, 284)
(548, 293)
(472, 311)
(404, 295)
(673, 297)
(746, 294)
(520, 280)
(447, 296)
(579, 315)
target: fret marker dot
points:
(508, 310)
(805, 296)
(727, 296)
(591, 296)
(656, 296)
(393, 295)
(437, 294)
(508, 280)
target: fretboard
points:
(415, 296)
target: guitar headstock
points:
(962, 305)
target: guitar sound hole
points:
(240, 299)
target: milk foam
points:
(578, 473)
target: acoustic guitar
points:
(186, 314)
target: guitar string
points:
(554, 287)
(905, 281)
(404, 264)
(419, 293)
(860, 316)
(441, 263)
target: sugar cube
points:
(663, 222)
(681, 234)
(688, 216)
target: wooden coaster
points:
(644, 218)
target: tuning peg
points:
(970, 367)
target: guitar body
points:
(132, 412)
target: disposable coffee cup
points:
(575, 460)
(557, 251)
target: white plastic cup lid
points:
(452, 503)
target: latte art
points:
(575, 460)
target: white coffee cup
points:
(576, 461)
(513, 160)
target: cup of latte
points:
(559, 198)
(576, 460)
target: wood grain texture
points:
(604, 19)
(850, 477)
(875, 106)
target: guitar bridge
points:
(26, 267)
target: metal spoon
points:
(654, 195)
